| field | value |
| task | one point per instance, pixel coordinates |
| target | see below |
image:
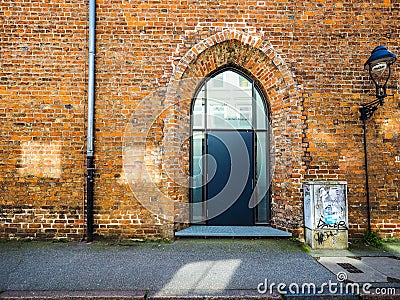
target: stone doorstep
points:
(232, 231)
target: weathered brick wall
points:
(316, 53)
(42, 115)
(335, 84)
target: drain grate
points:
(350, 268)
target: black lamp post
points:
(378, 65)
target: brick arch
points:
(192, 54)
(258, 59)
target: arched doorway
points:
(230, 168)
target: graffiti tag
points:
(337, 225)
(323, 236)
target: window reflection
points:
(197, 177)
(231, 106)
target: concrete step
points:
(232, 231)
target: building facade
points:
(284, 79)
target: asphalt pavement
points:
(187, 268)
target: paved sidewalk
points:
(364, 263)
(218, 268)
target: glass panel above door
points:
(229, 102)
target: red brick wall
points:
(42, 117)
(314, 51)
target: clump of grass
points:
(372, 238)
(391, 240)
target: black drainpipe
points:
(90, 125)
(366, 174)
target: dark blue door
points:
(229, 177)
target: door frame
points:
(205, 131)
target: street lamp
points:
(378, 65)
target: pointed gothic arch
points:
(259, 61)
